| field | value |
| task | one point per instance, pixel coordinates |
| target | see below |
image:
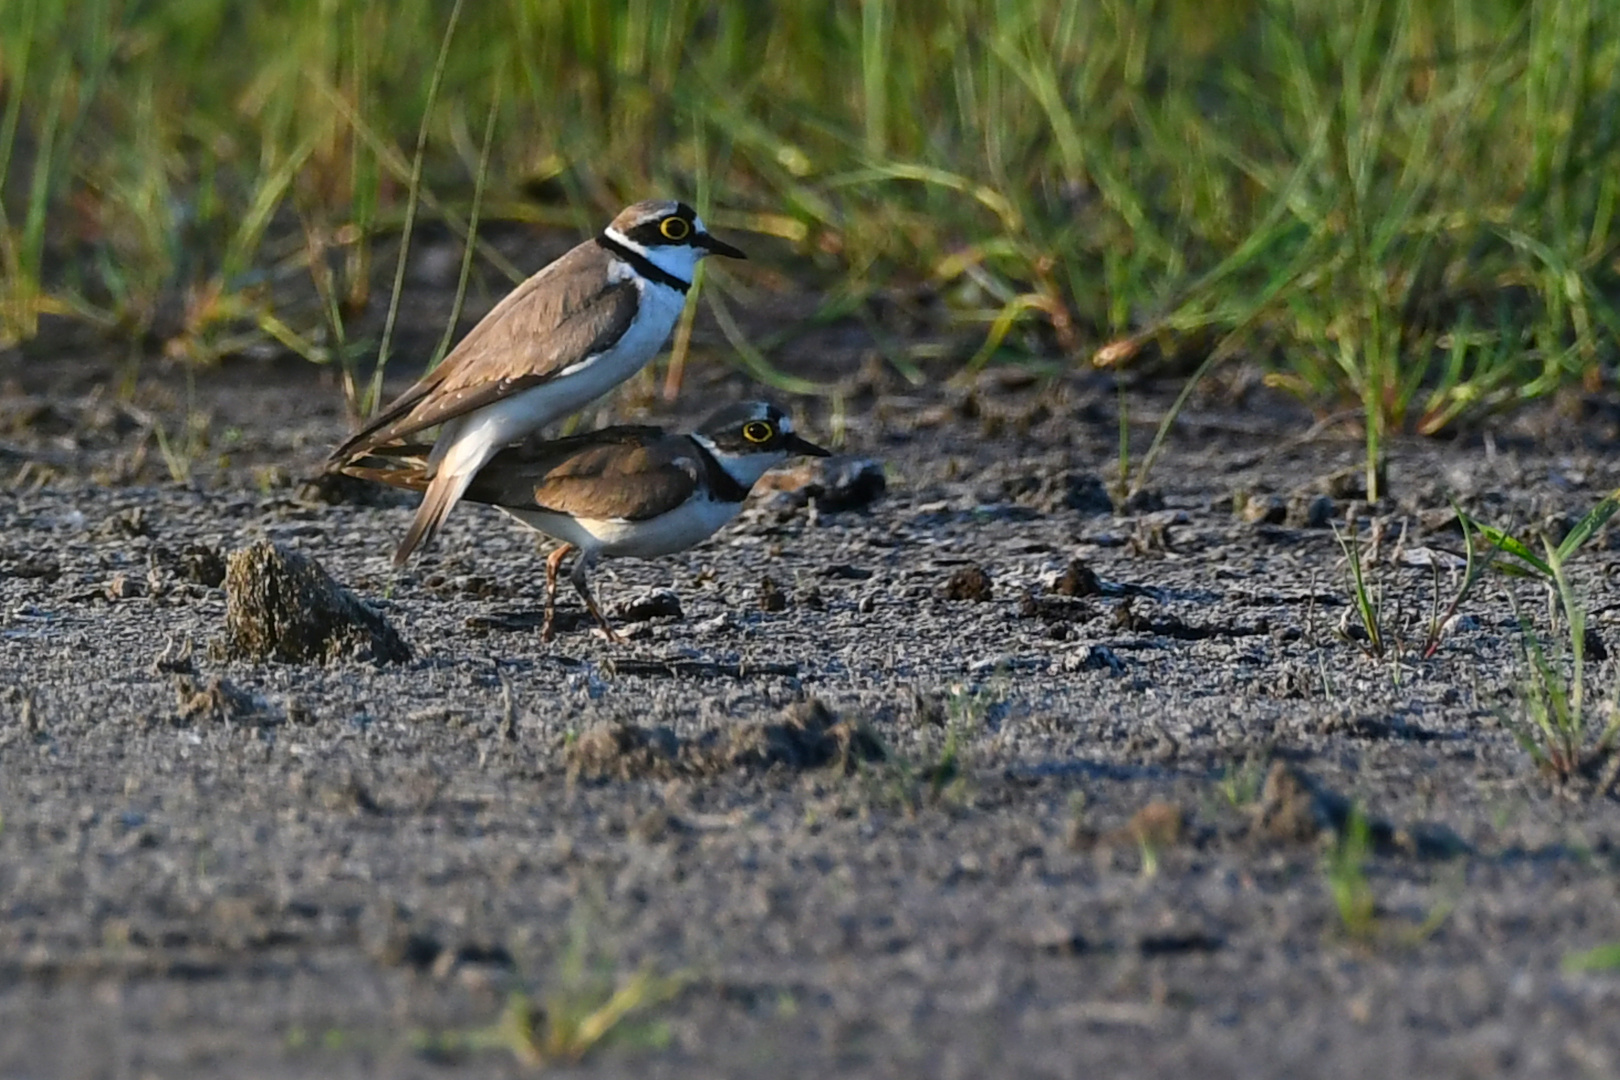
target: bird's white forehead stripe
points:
(697, 224)
(618, 237)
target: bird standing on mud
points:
(620, 491)
(563, 338)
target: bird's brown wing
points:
(401, 465)
(566, 312)
(630, 472)
(625, 473)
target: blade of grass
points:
(374, 395)
(471, 244)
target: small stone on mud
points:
(658, 604)
(281, 605)
(1260, 509)
(1087, 494)
(218, 701)
(1311, 511)
(771, 596)
(1095, 658)
(1077, 579)
(969, 583)
(836, 484)
(196, 563)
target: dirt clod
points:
(836, 484)
(659, 604)
(1158, 824)
(1307, 511)
(1260, 509)
(1054, 610)
(809, 735)
(622, 752)
(771, 596)
(281, 605)
(218, 701)
(969, 583)
(198, 564)
(1077, 579)
(1292, 808)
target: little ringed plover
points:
(563, 338)
(622, 491)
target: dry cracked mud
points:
(978, 778)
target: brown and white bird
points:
(563, 338)
(621, 491)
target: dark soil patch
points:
(1075, 822)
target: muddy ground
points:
(885, 815)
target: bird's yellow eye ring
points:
(675, 228)
(758, 431)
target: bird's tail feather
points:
(442, 493)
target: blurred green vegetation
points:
(1405, 203)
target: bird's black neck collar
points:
(723, 487)
(643, 265)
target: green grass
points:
(1601, 958)
(1564, 734)
(1383, 633)
(1408, 204)
(590, 1003)
(1344, 870)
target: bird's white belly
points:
(686, 526)
(478, 435)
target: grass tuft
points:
(1344, 868)
(1554, 722)
(1404, 204)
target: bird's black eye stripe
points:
(673, 229)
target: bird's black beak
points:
(718, 247)
(797, 445)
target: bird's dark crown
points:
(658, 223)
(755, 427)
